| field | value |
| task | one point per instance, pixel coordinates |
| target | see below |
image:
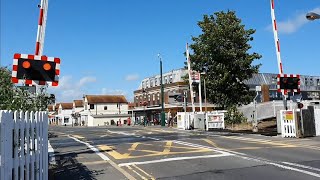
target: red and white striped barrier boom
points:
(276, 39)
(41, 27)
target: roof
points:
(106, 99)
(66, 105)
(78, 103)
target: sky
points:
(109, 46)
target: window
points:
(151, 83)
(170, 79)
(91, 106)
(66, 120)
(105, 107)
(155, 82)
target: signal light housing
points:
(300, 105)
(288, 83)
(35, 70)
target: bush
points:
(233, 116)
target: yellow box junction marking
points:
(168, 150)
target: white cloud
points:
(132, 77)
(291, 25)
(86, 80)
(113, 91)
(70, 89)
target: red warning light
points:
(47, 66)
(26, 64)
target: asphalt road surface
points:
(167, 153)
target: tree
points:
(14, 98)
(222, 51)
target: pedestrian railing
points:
(23, 145)
(267, 110)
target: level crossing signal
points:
(288, 83)
(35, 70)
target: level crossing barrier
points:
(288, 123)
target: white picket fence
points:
(24, 145)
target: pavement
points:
(156, 152)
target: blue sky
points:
(109, 46)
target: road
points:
(168, 153)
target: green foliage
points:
(222, 51)
(13, 98)
(233, 116)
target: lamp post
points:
(205, 92)
(312, 16)
(162, 96)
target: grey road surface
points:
(167, 153)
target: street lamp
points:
(312, 16)
(205, 92)
(162, 96)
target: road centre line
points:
(173, 159)
(104, 157)
(302, 166)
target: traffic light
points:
(300, 105)
(35, 70)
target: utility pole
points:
(190, 79)
(163, 123)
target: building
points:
(78, 108)
(101, 110)
(65, 116)
(147, 98)
(51, 114)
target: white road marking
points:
(281, 166)
(173, 159)
(229, 153)
(136, 173)
(201, 146)
(104, 157)
(52, 159)
(154, 138)
(302, 166)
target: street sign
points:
(195, 76)
(35, 70)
